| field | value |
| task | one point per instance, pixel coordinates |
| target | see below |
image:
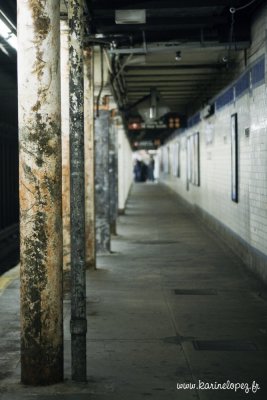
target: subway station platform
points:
(171, 306)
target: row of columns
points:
(67, 184)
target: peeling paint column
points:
(40, 191)
(102, 199)
(113, 176)
(89, 153)
(65, 133)
(78, 323)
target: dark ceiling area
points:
(176, 57)
(185, 20)
(167, 58)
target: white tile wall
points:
(248, 217)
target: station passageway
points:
(133, 200)
(171, 305)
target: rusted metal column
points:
(65, 133)
(102, 202)
(89, 159)
(78, 323)
(40, 191)
(113, 176)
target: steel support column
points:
(65, 138)
(113, 176)
(40, 192)
(89, 152)
(78, 323)
(102, 199)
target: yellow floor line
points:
(7, 278)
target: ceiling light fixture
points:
(152, 109)
(7, 31)
(130, 17)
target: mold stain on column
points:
(78, 323)
(102, 189)
(40, 192)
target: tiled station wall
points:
(208, 187)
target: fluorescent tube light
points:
(7, 34)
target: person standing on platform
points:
(151, 167)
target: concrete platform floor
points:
(170, 306)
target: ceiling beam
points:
(171, 96)
(175, 92)
(179, 30)
(158, 82)
(169, 47)
(174, 95)
(192, 84)
(176, 89)
(173, 67)
(194, 75)
(205, 67)
(176, 100)
(169, 20)
(137, 4)
(178, 93)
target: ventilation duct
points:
(130, 17)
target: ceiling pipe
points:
(121, 81)
(115, 92)
(168, 47)
(116, 82)
(113, 85)
(102, 82)
(123, 66)
(136, 103)
(118, 76)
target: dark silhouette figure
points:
(140, 171)
(151, 168)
